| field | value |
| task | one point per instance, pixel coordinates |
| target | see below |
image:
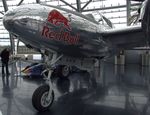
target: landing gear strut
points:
(43, 96)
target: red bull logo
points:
(56, 18)
(66, 36)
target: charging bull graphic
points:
(56, 18)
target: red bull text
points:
(60, 35)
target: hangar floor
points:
(115, 90)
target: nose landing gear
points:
(43, 96)
(40, 99)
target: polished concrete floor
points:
(115, 90)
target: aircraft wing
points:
(133, 36)
(125, 38)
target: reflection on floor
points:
(115, 90)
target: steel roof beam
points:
(86, 5)
(112, 7)
(128, 3)
(38, 1)
(78, 5)
(5, 5)
(68, 4)
(20, 2)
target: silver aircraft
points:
(70, 38)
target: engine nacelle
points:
(145, 18)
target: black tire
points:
(37, 98)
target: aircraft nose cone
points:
(8, 20)
(8, 24)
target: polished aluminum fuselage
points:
(30, 23)
(70, 33)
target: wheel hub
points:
(65, 71)
(45, 102)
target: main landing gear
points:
(43, 96)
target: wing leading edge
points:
(125, 38)
(133, 36)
